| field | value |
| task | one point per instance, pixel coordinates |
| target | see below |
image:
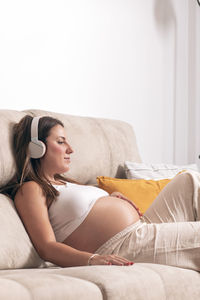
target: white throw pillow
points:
(154, 171)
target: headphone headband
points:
(34, 128)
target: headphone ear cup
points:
(36, 149)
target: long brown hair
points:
(28, 169)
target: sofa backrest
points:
(7, 164)
(100, 148)
(100, 145)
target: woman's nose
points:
(69, 149)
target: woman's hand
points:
(110, 260)
(121, 196)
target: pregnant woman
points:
(71, 224)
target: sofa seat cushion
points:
(137, 282)
(140, 281)
(29, 284)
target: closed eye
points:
(59, 142)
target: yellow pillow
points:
(142, 192)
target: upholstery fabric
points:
(16, 249)
(39, 285)
(137, 282)
(141, 281)
(7, 165)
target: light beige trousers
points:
(169, 231)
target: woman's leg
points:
(179, 201)
(170, 236)
(174, 244)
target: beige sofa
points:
(100, 148)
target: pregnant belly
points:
(108, 216)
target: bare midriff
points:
(108, 216)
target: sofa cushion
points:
(140, 281)
(160, 171)
(36, 284)
(7, 166)
(137, 282)
(16, 250)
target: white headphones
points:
(36, 147)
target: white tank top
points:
(71, 207)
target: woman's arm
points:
(32, 209)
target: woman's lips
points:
(67, 158)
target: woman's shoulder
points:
(29, 188)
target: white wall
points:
(112, 59)
(187, 90)
(194, 86)
(197, 88)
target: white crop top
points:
(71, 207)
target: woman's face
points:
(57, 157)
